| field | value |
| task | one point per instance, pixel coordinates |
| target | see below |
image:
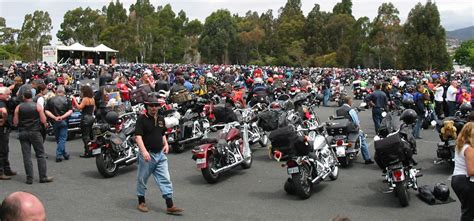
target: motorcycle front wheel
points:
(335, 168)
(302, 183)
(247, 163)
(207, 173)
(106, 166)
(401, 192)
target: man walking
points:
(378, 100)
(150, 137)
(5, 170)
(59, 108)
(28, 117)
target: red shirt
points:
(124, 93)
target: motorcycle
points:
(312, 162)
(346, 143)
(73, 122)
(446, 148)
(255, 133)
(114, 149)
(393, 153)
(230, 150)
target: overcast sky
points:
(455, 14)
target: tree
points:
(218, 38)
(83, 26)
(317, 42)
(339, 29)
(116, 13)
(290, 25)
(141, 13)
(35, 33)
(7, 34)
(343, 7)
(386, 36)
(425, 39)
(464, 55)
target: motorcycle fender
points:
(203, 149)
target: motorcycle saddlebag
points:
(338, 127)
(268, 120)
(444, 150)
(282, 139)
(390, 149)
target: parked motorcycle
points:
(393, 153)
(446, 148)
(309, 161)
(229, 150)
(114, 149)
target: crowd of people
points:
(34, 97)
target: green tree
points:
(464, 55)
(343, 7)
(290, 25)
(339, 29)
(116, 13)
(317, 42)
(218, 38)
(35, 33)
(386, 36)
(425, 39)
(141, 17)
(83, 26)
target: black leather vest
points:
(28, 117)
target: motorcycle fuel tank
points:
(232, 134)
(319, 142)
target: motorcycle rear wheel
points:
(302, 183)
(107, 168)
(207, 173)
(289, 186)
(401, 192)
(178, 148)
(344, 161)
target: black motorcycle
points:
(114, 149)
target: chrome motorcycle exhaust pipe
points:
(121, 160)
(189, 140)
(227, 167)
(131, 160)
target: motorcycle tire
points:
(107, 168)
(401, 192)
(302, 182)
(344, 161)
(208, 175)
(289, 187)
(178, 148)
(247, 163)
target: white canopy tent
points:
(79, 53)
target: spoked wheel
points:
(106, 166)
(207, 173)
(302, 183)
(178, 148)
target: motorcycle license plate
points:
(96, 151)
(201, 161)
(293, 170)
(341, 151)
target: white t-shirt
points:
(451, 95)
(438, 96)
(460, 162)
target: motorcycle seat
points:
(209, 140)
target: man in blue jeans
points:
(58, 109)
(349, 113)
(151, 139)
(378, 100)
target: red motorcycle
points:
(230, 150)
